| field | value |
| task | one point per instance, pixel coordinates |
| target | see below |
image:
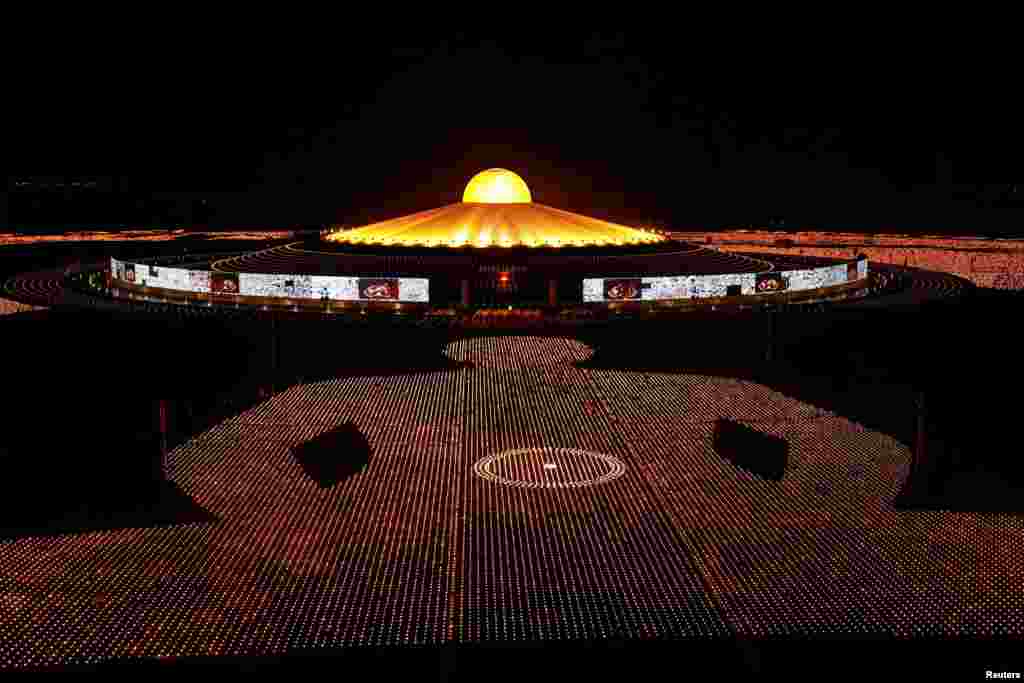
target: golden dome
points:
(496, 186)
(496, 211)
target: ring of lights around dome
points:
(496, 186)
(496, 212)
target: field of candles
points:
(517, 496)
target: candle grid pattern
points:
(419, 549)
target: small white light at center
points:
(549, 465)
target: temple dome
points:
(496, 211)
(496, 186)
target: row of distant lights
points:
(499, 243)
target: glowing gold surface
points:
(494, 225)
(496, 186)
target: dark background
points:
(699, 126)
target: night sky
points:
(878, 133)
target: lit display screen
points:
(378, 289)
(817, 277)
(593, 289)
(414, 289)
(224, 283)
(199, 281)
(336, 288)
(707, 286)
(166, 278)
(150, 275)
(836, 275)
(371, 289)
(668, 288)
(665, 288)
(623, 289)
(277, 285)
(770, 282)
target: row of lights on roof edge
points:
(506, 244)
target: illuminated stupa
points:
(497, 210)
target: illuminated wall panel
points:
(224, 284)
(335, 287)
(666, 288)
(836, 275)
(593, 289)
(178, 278)
(199, 281)
(414, 289)
(417, 290)
(813, 278)
(706, 286)
(716, 285)
(166, 278)
(277, 285)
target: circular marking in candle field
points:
(549, 468)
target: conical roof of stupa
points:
(489, 225)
